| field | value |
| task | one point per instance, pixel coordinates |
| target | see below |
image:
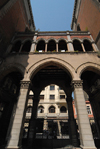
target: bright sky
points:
(52, 15)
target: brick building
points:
(30, 61)
(86, 17)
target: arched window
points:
(63, 109)
(40, 109)
(40, 46)
(16, 47)
(77, 45)
(26, 47)
(62, 46)
(52, 109)
(87, 45)
(29, 110)
(51, 46)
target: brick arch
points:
(62, 39)
(52, 39)
(88, 66)
(87, 40)
(76, 39)
(33, 69)
(40, 39)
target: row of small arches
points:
(50, 110)
(51, 46)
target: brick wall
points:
(13, 21)
(89, 17)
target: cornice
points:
(74, 11)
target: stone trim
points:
(77, 83)
(25, 84)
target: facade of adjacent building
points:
(31, 61)
(86, 16)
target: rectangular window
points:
(52, 87)
(41, 97)
(52, 96)
(88, 109)
(62, 96)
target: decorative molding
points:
(25, 84)
(77, 83)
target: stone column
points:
(33, 44)
(59, 128)
(83, 47)
(95, 114)
(45, 47)
(72, 123)
(20, 47)
(70, 45)
(56, 47)
(86, 138)
(94, 47)
(17, 128)
(32, 125)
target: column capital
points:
(77, 83)
(25, 84)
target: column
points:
(20, 47)
(45, 47)
(69, 44)
(95, 113)
(32, 125)
(86, 138)
(17, 128)
(72, 123)
(33, 48)
(59, 128)
(83, 47)
(56, 47)
(94, 47)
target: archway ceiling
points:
(51, 74)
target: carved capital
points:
(77, 83)
(25, 84)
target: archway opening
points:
(87, 45)
(26, 47)
(77, 46)
(91, 86)
(62, 46)
(9, 92)
(51, 46)
(41, 46)
(51, 124)
(16, 47)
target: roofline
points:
(30, 8)
(74, 12)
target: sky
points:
(52, 15)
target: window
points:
(88, 109)
(62, 96)
(41, 109)
(52, 87)
(52, 109)
(52, 96)
(63, 109)
(41, 97)
(29, 110)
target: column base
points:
(83, 147)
